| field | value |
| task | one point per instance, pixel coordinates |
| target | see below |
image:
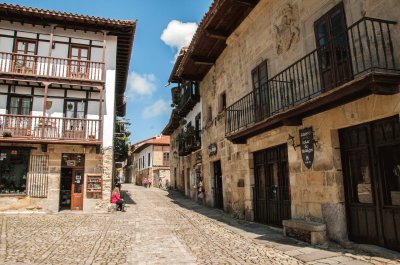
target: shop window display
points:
(14, 165)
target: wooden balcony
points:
(50, 68)
(356, 63)
(188, 98)
(189, 143)
(21, 128)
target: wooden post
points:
(46, 88)
(49, 59)
(101, 88)
(104, 54)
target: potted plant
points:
(7, 133)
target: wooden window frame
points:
(19, 107)
(75, 100)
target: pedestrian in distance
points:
(115, 198)
(167, 184)
(160, 183)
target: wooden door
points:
(218, 190)
(272, 187)
(77, 189)
(24, 59)
(333, 48)
(260, 88)
(259, 191)
(371, 167)
(79, 67)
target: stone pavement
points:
(160, 228)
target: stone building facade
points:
(300, 103)
(62, 80)
(151, 160)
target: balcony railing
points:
(189, 143)
(365, 46)
(188, 98)
(49, 128)
(33, 65)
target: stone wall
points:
(282, 32)
(93, 164)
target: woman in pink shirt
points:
(115, 198)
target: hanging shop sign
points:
(212, 149)
(307, 146)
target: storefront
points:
(371, 170)
(14, 167)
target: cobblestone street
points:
(158, 228)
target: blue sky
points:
(148, 106)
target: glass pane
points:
(322, 32)
(390, 160)
(25, 106)
(84, 54)
(255, 79)
(74, 52)
(21, 47)
(78, 180)
(360, 176)
(70, 109)
(13, 170)
(31, 48)
(337, 23)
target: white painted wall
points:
(145, 152)
(61, 51)
(191, 116)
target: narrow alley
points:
(158, 228)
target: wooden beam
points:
(220, 35)
(202, 60)
(248, 3)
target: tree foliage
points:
(121, 140)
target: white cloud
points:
(156, 109)
(178, 34)
(140, 85)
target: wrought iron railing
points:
(364, 46)
(34, 65)
(50, 128)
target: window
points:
(332, 44)
(75, 109)
(79, 55)
(222, 102)
(143, 162)
(140, 163)
(148, 159)
(209, 114)
(166, 156)
(24, 62)
(197, 123)
(259, 76)
(14, 163)
(20, 105)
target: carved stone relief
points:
(286, 27)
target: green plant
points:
(7, 133)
